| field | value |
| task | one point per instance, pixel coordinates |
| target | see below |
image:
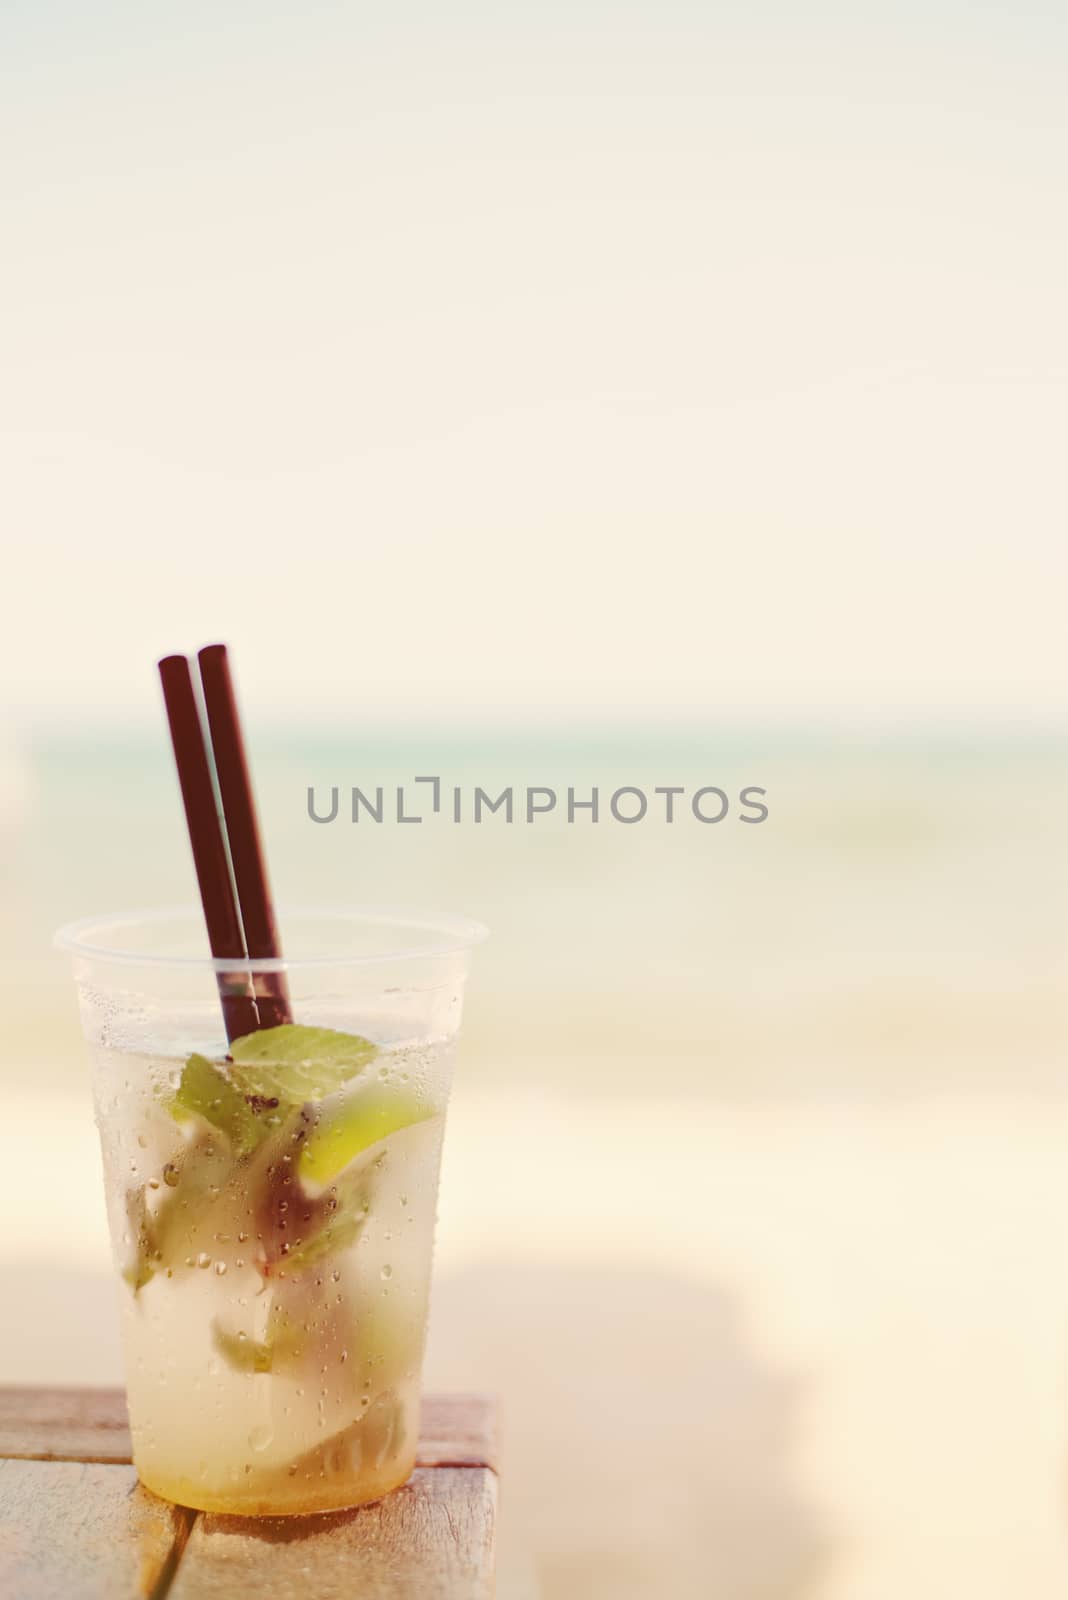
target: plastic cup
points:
(272, 1222)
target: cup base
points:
(303, 1500)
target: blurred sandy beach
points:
(743, 1352)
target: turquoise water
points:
(895, 924)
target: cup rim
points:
(446, 934)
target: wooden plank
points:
(74, 1522)
(90, 1425)
(84, 1532)
(64, 1425)
(431, 1540)
(458, 1430)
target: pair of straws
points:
(220, 812)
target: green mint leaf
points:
(294, 1065)
(175, 1223)
(241, 1353)
(205, 1091)
(146, 1256)
(282, 1344)
(334, 1222)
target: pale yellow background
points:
(638, 394)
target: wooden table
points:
(76, 1525)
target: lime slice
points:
(373, 1438)
(389, 1335)
(294, 1064)
(362, 1117)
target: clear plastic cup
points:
(272, 1215)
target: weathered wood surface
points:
(76, 1525)
(431, 1540)
(84, 1531)
(456, 1430)
(64, 1425)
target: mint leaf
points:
(329, 1224)
(241, 1353)
(207, 1092)
(293, 1064)
(281, 1345)
(164, 1229)
(140, 1270)
(294, 1228)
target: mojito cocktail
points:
(271, 1203)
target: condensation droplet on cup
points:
(203, 1259)
(260, 1438)
(387, 1271)
(220, 1268)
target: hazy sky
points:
(549, 357)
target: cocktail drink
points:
(271, 1199)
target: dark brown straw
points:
(243, 833)
(225, 937)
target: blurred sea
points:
(896, 926)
